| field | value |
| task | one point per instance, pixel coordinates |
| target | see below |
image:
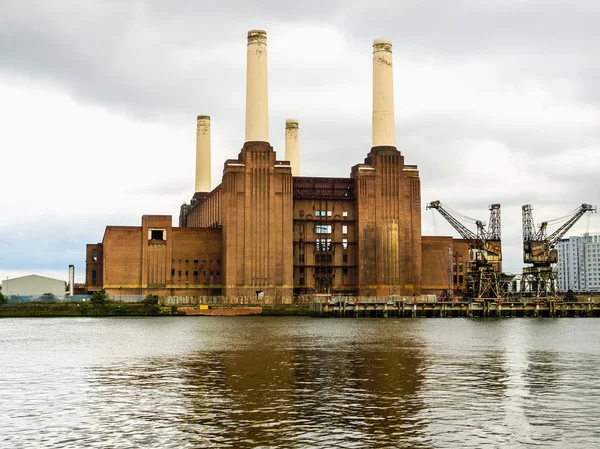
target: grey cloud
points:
(168, 61)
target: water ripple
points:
(299, 383)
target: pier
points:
(385, 308)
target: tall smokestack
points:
(292, 145)
(71, 279)
(203, 154)
(257, 107)
(383, 94)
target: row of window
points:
(196, 273)
(323, 258)
(326, 244)
(326, 229)
(323, 213)
(321, 280)
(196, 261)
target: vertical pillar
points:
(203, 181)
(383, 94)
(257, 109)
(71, 280)
(292, 145)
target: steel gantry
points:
(485, 251)
(539, 250)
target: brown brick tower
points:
(257, 198)
(388, 198)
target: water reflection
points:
(344, 393)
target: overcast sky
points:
(496, 102)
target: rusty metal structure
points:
(539, 250)
(485, 251)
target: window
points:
(157, 234)
(345, 213)
(345, 243)
(345, 258)
(344, 229)
(93, 277)
(301, 281)
(301, 258)
(345, 270)
(328, 213)
(317, 213)
(323, 244)
(186, 273)
(301, 269)
(179, 272)
(94, 256)
(301, 229)
(195, 261)
(172, 271)
(187, 261)
(195, 273)
(302, 212)
(323, 229)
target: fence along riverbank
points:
(385, 308)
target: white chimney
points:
(292, 145)
(203, 154)
(71, 280)
(257, 106)
(383, 94)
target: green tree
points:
(99, 301)
(84, 308)
(3, 299)
(47, 297)
(150, 304)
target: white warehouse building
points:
(578, 267)
(33, 286)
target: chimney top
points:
(257, 37)
(204, 117)
(382, 45)
(291, 123)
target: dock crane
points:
(539, 250)
(485, 251)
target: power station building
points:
(267, 230)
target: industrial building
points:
(31, 287)
(267, 230)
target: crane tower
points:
(485, 251)
(539, 250)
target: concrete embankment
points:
(232, 310)
(79, 309)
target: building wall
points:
(256, 208)
(325, 243)
(156, 258)
(94, 267)
(389, 224)
(445, 263)
(204, 211)
(33, 285)
(460, 264)
(437, 257)
(578, 266)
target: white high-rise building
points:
(578, 267)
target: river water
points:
(298, 382)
